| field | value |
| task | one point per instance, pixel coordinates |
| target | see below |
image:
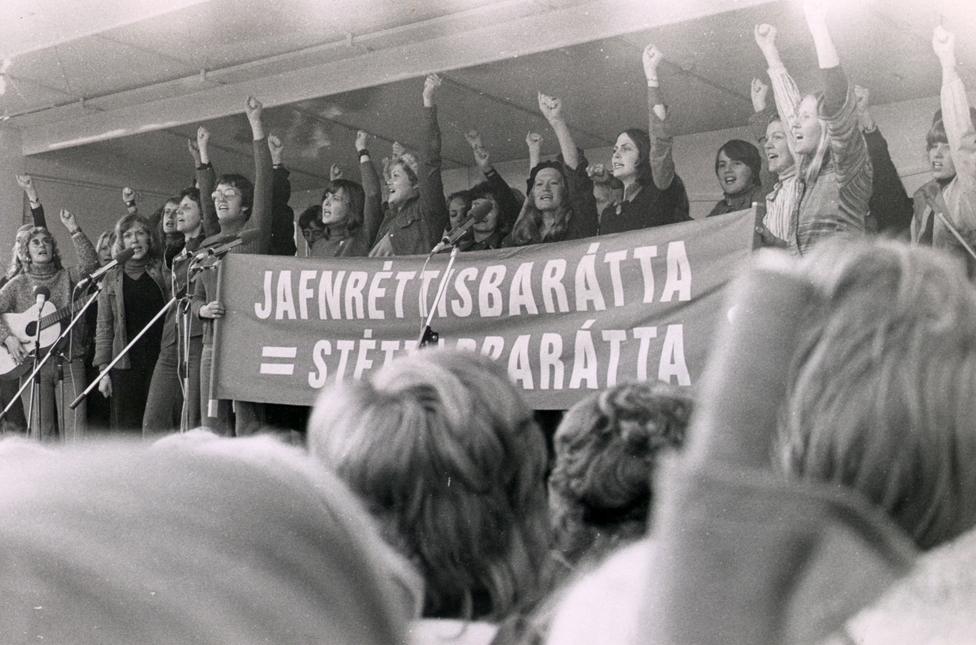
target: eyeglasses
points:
(226, 193)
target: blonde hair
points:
(447, 456)
(809, 166)
(880, 395)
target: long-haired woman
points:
(42, 268)
(832, 157)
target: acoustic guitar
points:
(23, 325)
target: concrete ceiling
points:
(136, 84)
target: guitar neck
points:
(58, 315)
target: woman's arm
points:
(282, 216)
(786, 94)
(890, 204)
(373, 206)
(955, 105)
(508, 206)
(839, 110)
(206, 179)
(26, 182)
(429, 177)
(662, 163)
(85, 250)
(261, 205)
(552, 109)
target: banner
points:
(566, 318)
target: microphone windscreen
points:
(41, 291)
(479, 212)
(124, 255)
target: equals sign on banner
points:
(279, 367)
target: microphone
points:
(223, 248)
(475, 215)
(41, 294)
(121, 258)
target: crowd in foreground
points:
(816, 487)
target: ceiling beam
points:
(32, 25)
(487, 43)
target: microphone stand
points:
(35, 375)
(194, 266)
(35, 379)
(125, 350)
(427, 335)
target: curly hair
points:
(24, 235)
(607, 449)
(448, 457)
(880, 394)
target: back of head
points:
(206, 542)
(880, 393)
(447, 456)
(607, 449)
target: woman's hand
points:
(944, 45)
(765, 37)
(14, 348)
(431, 83)
(551, 108)
(194, 150)
(26, 183)
(482, 158)
(759, 93)
(276, 147)
(68, 219)
(212, 310)
(335, 172)
(651, 58)
(362, 138)
(105, 386)
(598, 173)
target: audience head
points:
(189, 217)
(779, 158)
(221, 541)
(939, 155)
(233, 197)
(458, 204)
(880, 393)
(738, 167)
(104, 245)
(134, 232)
(37, 248)
(630, 161)
(607, 450)
(447, 456)
(343, 203)
(18, 255)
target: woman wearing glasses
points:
(236, 204)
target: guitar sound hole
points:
(31, 329)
